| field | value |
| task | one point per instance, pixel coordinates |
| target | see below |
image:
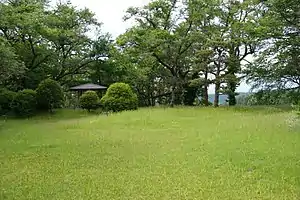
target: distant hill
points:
(223, 97)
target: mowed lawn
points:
(180, 153)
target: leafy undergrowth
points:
(180, 153)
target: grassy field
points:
(180, 153)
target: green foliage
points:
(278, 65)
(148, 79)
(119, 97)
(89, 100)
(205, 38)
(10, 65)
(40, 40)
(6, 98)
(24, 103)
(171, 44)
(162, 36)
(49, 95)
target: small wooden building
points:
(89, 86)
(80, 89)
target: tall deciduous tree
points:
(21, 23)
(202, 13)
(236, 23)
(67, 29)
(52, 42)
(164, 31)
(277, 66)
(228, 30)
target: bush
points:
(89, 100)
(49, 95)
(6, 98)
(24, 103)
(119, 97)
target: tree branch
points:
(169, 14)
(75, 71)
(163, 63)
(151, 22)
(41, 61)
(32, 51)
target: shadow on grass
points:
(263, 109)
(59, 114)
(240, 108)
(62, 114)
(65, 114)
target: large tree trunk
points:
(231, 94)
(217, 93)
(152, 100)
(173, 91)
(182, 95)
(149, 96)
(232, 82)
(172, 96)
(205, 89)
(217, 85)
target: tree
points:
(203, 13)
(171, 55)
(161, 34)
(49, 95)
(277, 66)
(237, 20)
(73, 50)
(21, 25)
(143, 73)
(49, 41)
(193, 40)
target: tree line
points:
(175, 50)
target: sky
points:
(111, 12)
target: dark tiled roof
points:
(89, 86)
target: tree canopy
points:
(172, 54)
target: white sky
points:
(111, 12)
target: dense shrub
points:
(89, 100)
(119, 97)
(49, 95)
(24, 103)
(6, 98)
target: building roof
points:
(89, 86)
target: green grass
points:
(180, 153)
